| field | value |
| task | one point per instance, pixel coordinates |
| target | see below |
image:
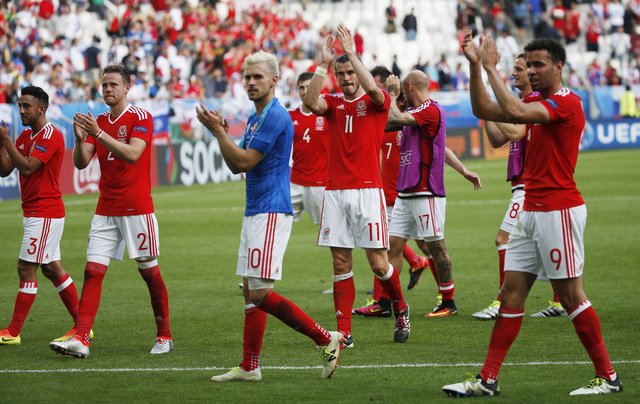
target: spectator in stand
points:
(597, 6)
(572, 21)
(358, 42)
(93, 60)
(395, 69)
(520, 17)
(410, 24)
(486, 19)
(419, 65)
(461, 79)
(620, 43)
(559, 16)
(508, 48)
(630, 18)
(573, 79)
(635, 41)
(390, 15)
(594, 74)
(593, 31)
(444, 74)
(76, 57)
(215, 85)
(615, 15)
(536, 8)
(546, 30)
(611, 76)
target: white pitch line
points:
(401, 365)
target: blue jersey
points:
(269, 182)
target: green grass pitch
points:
(199, 232)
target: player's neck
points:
(118, 109)
(546, 93)
(304, 109)
(262, 103)
(355, 95)
(37, 127)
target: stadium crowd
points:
(177, 50)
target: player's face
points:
(30, 109)
(302, 88)
(541, 70)
(113, 89)
(347, 79)
(258, 81)
(520, 73)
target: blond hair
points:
(262, 57)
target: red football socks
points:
(504, 333)
(24, 300)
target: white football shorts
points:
(263, 241)
(515, 206)
(419, 218)
(354, 217)
(550, 244)
(109, 234)
(41, 239)
(307, 198)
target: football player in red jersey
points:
(548, 237)
(120, 137)
(354, 210)
(37, 155)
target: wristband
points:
(321, 71)
(99, 134)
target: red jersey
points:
(310, 144)
(125, 189)
(356, 128)
(390, 165)
(552, 153)
(41, 196)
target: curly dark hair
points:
(555, 49)
(37, 93)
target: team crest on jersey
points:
(255, 126)
(398, 137)
(319, 123)
(361, 108)
(325, 233)
(122, 131)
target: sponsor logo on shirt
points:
(21, 147)
(140, 129)
(295, 122)
(340, 106)
(41, 148)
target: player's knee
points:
(147, 262)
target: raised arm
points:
(26, 166)
(312, 98)
(515, 110)
(452, 160)
(364, 76)
(482, 104)
(238, 159)
(397, 119)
